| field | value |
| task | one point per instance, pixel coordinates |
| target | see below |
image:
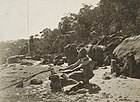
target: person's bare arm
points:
(72, 66)
(86, 62)
(70, 71)
(76, 68)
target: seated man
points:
(55, 82)
(82, 70)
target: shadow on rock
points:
(93, 88)
(81, 88)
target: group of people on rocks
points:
(79, 71)
(81, 64)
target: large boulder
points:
(96, 53)
(129, 44)
(71, 53)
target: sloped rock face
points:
(96, 54)
(129, 44)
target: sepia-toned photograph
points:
(69, 50)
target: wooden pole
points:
(28, 27)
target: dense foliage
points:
(91, 24)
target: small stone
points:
(105, 95)
(96, 99)
(106, 76)
(120, 96)
(25, 72)
(36, 82)
(102, 82)
(123, 77)
(110, 96)
(119, 81)
(125, 97)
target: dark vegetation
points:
(11, 48)
(89, 25)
